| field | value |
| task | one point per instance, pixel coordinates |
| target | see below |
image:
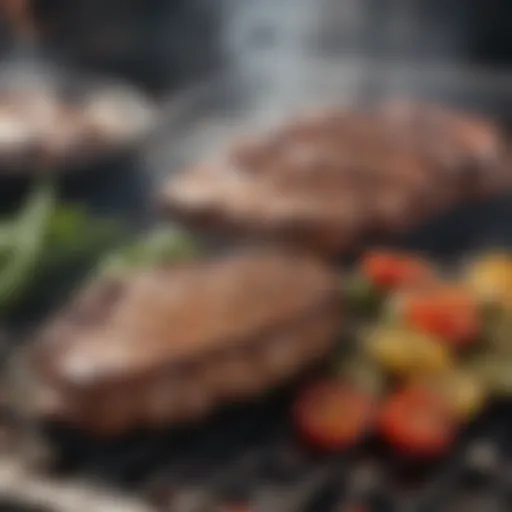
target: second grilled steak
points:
(171, 345)
(330, 181)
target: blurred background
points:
(167, 43)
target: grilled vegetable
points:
(161, 246)
(334, 416)
(464, 391)
(498, 332)
(44, 236)
(495, 372)
(389, 271)
(419, 423)
(73, 233)
(422, 324)
(27, 244)
(450, 313)
(406, 353)
(490, 277)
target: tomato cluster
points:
(335, 416)
(428, 342)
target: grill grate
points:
(250, 457)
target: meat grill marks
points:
(333, 179)
(171, 345)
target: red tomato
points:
(391, 270)
(419, 423)
(333, 416)
(451, 314)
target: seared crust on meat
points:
(334, 179)
(170, 345)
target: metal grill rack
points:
(248, 457)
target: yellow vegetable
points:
(464, 390)
(496, 373)
(498, 332)
(490, 277)
(407, 353)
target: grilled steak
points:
(40, 126)
(335, 178)
(170, 345)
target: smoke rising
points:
(283, 41)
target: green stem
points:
(29, 234)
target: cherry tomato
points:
(451, 314)
(392, 270)
(333, 416)
(418, 423)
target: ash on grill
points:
(25, 490)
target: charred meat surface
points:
(333, 179)
(170, 345)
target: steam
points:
(278, 34)
(269, 36)
(274, 43)
(284, 43)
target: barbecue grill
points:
(248, 456)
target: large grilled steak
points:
(334, 179)
(170, 345)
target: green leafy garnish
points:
(73, 233)
(24, 241)
(159, 247)
(46, 235)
